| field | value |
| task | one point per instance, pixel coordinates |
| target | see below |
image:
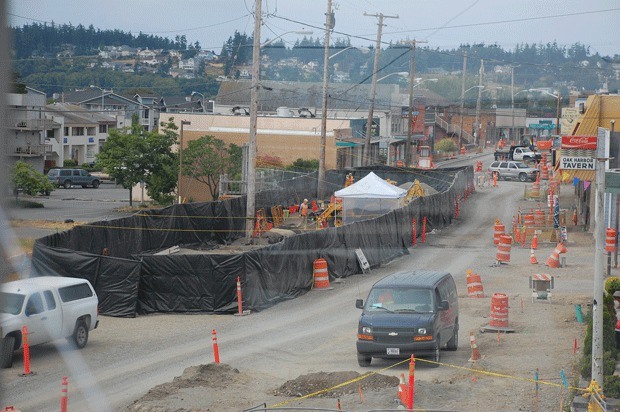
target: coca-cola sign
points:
(579, 142)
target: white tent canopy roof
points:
(371, 186)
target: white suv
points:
(509, 169)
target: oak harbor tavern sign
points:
(578, 152)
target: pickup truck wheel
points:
(67, 184)
(80, 335)
(363, 360)
(8, 344)
(95, 184)
(522, 177)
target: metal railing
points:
(454, 129)
(33, 150)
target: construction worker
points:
(303, 212)
(495, 176)
(349, 180)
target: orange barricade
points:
(528, 220)
(503, 248)
(499, 311)
(498, 230)
(321, 275)
(474, 285)
(610, 240)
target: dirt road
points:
(268, 356)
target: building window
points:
(103, 128)
(67, 131)
(77, 131)
(90, 131)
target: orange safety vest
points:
(304, 209)
(618, 326)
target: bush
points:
(612, 386)
(612, 284)
(446, 145)
(610, 353)
(69, 163)
(25, 178)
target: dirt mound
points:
(322, 381)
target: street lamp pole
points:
(328, 28)
(410, 111)
(557, 109)
(463, 91)
(92, 86)
(183, 123)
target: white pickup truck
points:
(51, 307)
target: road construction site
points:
(275, 358)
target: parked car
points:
(51, 307)
(509, 169)
(413, 312)
(69, 177)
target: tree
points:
(206, 158)
(31, 182)
(133, 155)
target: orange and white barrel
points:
(321, 275)
(610, 240)
(503, 248)
(474, 285)
(528, 220)
(498, 230)
(499, 311)
(539, 218)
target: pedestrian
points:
(618, 334)
(303, 211)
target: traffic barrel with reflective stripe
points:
(499, 311)
(503, 248)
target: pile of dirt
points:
(321, 382)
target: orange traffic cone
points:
(562, 248)
(533, 259)
(475, 353)
(535, 241)
(403, 390)
(554, 259)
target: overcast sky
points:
(443, 24)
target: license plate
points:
(393, 351)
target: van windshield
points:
(400, 300)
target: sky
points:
(443, 24)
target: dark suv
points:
(69, 177)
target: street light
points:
(364, 50)
(268, 42)
(92, 86)
(424, 81)
(202, 101)
(402, 74)
(557, 110)
(183, 123)
(250, 178)
(478, 103)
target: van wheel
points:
(67, 184)
(522, 177)
(436, 355)
(363, 360)
(95, 184)
(80, 335)
(8, 345)
(453, 343)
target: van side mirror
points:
(444, 305)
(359, 303)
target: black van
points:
(413, 312)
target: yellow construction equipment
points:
(334, 208)
(416, 190)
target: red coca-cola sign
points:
(579, 142)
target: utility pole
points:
(480, 86)
(599, 278)
(329, 26)
(462, 98)
(251, 175)
(413, 44)
(512, 101)
(373, 86)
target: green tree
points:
(133, 155)
(445, 145)
(206, 158)
(31, 182)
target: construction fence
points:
(130, 278)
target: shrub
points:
(446, 145)
(69, 163)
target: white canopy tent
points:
(369, 197)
